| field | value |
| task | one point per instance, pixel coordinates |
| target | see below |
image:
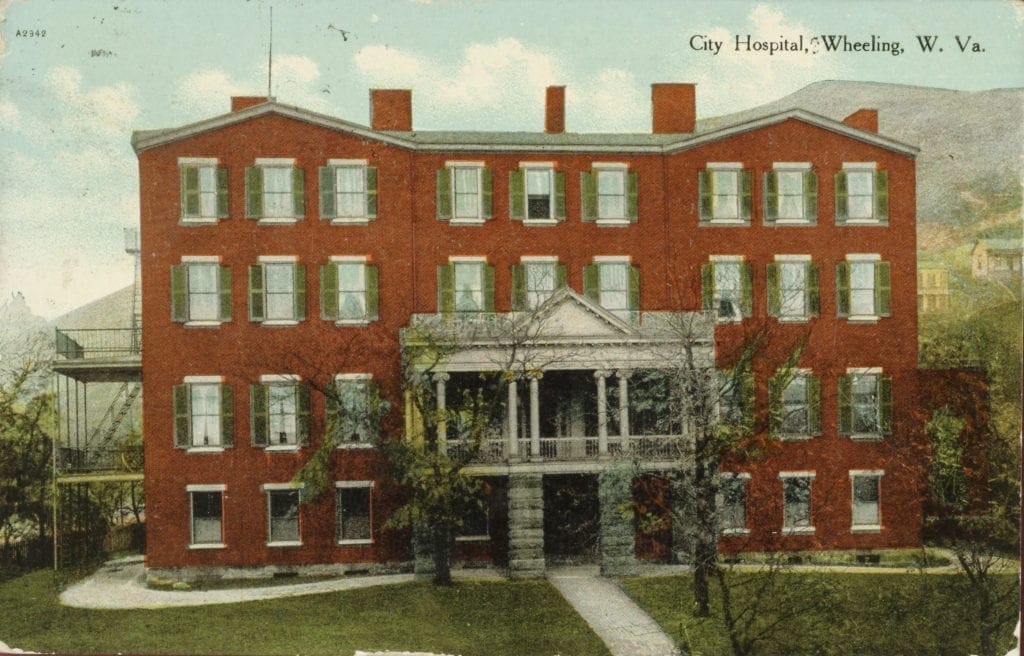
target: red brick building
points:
(276, 239)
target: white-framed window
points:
(465, 286)
(206, 516)
(790, 194)
(727, 288)
(349, 410)
(469, 286)
(540, 279)
(275, 191)
(793, 293)
(862, 194)
(204, 190)
(795, 408)
(350, 194)
(796, 498)
(863, 287)
(724, 191)
(733, 511)
(280, 290)
(866, 487)
(283, 501)
(795, 402)
(464, 192)
(614, 283)
(348, 191)
(277, 291)
(280, 412)
(610, 194)
(353, 504)
(203, 414)
(865, 401)
(732, 407)
(349, 290)
(539, 193)
(200, 291)
(536, 193)
(204, 403)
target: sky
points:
(77, 76)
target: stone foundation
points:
(525, 526)
(617, 545)
(195, 574)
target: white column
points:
(535, 413)
(513, 418)
(442, 423)
(623, 376)
(602, 412)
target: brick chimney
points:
(391, 109)
(554, 110)
(238, 103)
(863, 119)
(673, 107)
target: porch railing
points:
(643, 447)
(83, 343)
(71, 460)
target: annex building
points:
(284, 251)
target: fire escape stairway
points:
(102, 438)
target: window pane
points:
(865, 500)
(203, 300)
(207, 191)
(352, 291)
(281, 399)
(793, 285)
(354, 419)
(277, 192)
(865, 404)
(728, 292)
(614, 283)
(205, 408)
(726, 197)
(730, 401)
(794, 407)
(206, 518)
(797, 497)
(791, 194)
(540, 282)
(353, 508)
(280, 289)
(284, 516)
(467, 196)
(860, 194)
(734, 498)
(351, 188)
(538, 193)
(468, 287)
(611, 194)
(862, 288)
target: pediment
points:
(570, 316)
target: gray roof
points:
(1001, 244)
(479, 141)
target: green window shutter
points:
(256, 310)
(841, 196)
(588, 195)
(813, 290)
(302, 413)
(329, 291)
(705, 191)
(772, 274)
(775, 403)
(372, 293)
(299, 296)
(814, 405)
(632, 196)
(371, 192)
(298, 192)
(771, 197)
(259, 414)
(747, 400)
(634, 292)
(707, 286)
(560, 195)
(189, 190)
(883, 288)
(882, 196)
(747, 288)
(327, 192)
(179, 292)
(592, 282)
(222, 193)
(519, 288)
(488, 288)
(253, 192)
(885, 404)
(845, 405)
(444, 194)
(227, 416)
(445, 288)
(810, 196)
(182, 421)
(517, 194)
(746, 195)
(487, 193)
(843, 289)
(561, 276)
(224, 282)
(332, 410)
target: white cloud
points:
(611, 102)
(208, 92)
(389, 67)
(296, 81)
(108, 109)
(374, 18)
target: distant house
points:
(932, 287)
(997, 258)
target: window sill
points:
(282, 448)
(613, 223)
(472, 538)
(198, 221)
(540, 222)
(352, 322)
(863, 222)
(354, 446)
(794, 437)
(792, 222)
(728, 319)
(205, 449)
(866, 437)
(866, 528)
(351, 220)
(208, 545)
(794, 319)
(355, 543)
(725, 222)
(279, 323)
(277, 220)
(798, 530)
(862, 318)
(466, 222)
(735, 531)
(290, 543)
(203, 324)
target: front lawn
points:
(828, 613)
(485, 618)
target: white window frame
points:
(804, 375)
(366, 379)
(454, 168)
(342, 260)
(336, 165)
(204, 489)
(877, 475)
(353, 485)
(737, 315)
(550, 261)
(534, 167)
(463, 260)
(282, 380)
(736, 168)
(856, 168)
(864, 259)
(797, 530)
(792, 260)
(203, 164)
(876, 373)
(189, 261)
(265, 163)
(278, 260)
(800, 168)
(602, 261)
(623, 172)
(744, 479)
(268, 489)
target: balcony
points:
(650, 448)
(99, 355)
(120, 462)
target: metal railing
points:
(643, 447)
(85, 343)
(71, 460)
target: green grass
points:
(840, 613)
(485, 618)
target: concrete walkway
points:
(623, 626)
